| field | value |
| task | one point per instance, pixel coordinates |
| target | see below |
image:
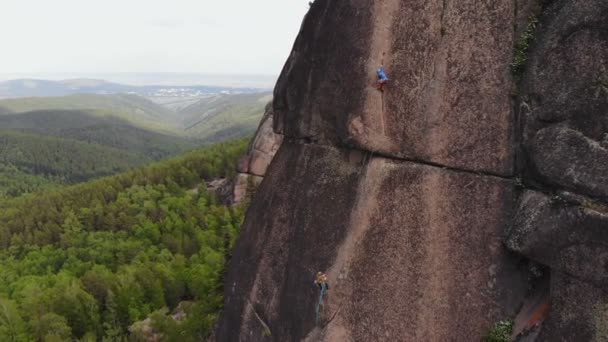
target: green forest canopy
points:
(88, 261)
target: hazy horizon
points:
(228, 38)
(156, 78)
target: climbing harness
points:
(323, 290)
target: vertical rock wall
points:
(562, 222)
(252, 167)
(404, 197)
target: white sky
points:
(204, 36)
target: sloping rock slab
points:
(567, 238)
(565, 157)
(291, 231)
(447, 100)
(410, 250)
(564, 99)
(579, 311)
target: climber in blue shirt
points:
(382, 79)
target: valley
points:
(110, 229)
(55, 140)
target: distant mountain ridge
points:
(224, 117)
(124, 103)
(107, 131)
(212, 118)
(43, 88)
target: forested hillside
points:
(103, 130)
(14, 182)
(130, 106)
(208, 119)
(87, 261)
(64, 159)
(224, 117)
(70, 139)
(69, 146)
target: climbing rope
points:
(323, 289)
(382, 114)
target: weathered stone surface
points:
(418, 232)
(412, 250)
(264, 146)
(242, 185)
(259, 155)
(528, 322)
(448, 98)
(573, 242)
(291, 231)
(579, 311)
(144, 330)
(567, 158)
(382, 230)
(222, 189)
(568, 238)
(566, 82)
(242, 166)
(564, 116)
(323, 80)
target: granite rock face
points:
(567, 158)
(411, 200)
(242, 184)
(564, 100)
(579, 311)
(563, 113)
(449, 87)
(252, 166)
(383, 229)
(223, 189)
(572, 240)
(567, 237)
(262, 149)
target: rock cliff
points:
(252, 166)
(444, 204)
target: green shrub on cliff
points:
(521, 49)
(500, 332)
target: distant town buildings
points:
(186, 92)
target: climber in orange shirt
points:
(321, 280)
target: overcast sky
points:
(97, 36)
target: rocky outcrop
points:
(564, 97)
(223, 189)
(567, 158)
(252, 166)
(563, 109)
(243, 184)
(572, 240)
(263, 147)
(410, 199)
(143, 331)
(565, 236)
